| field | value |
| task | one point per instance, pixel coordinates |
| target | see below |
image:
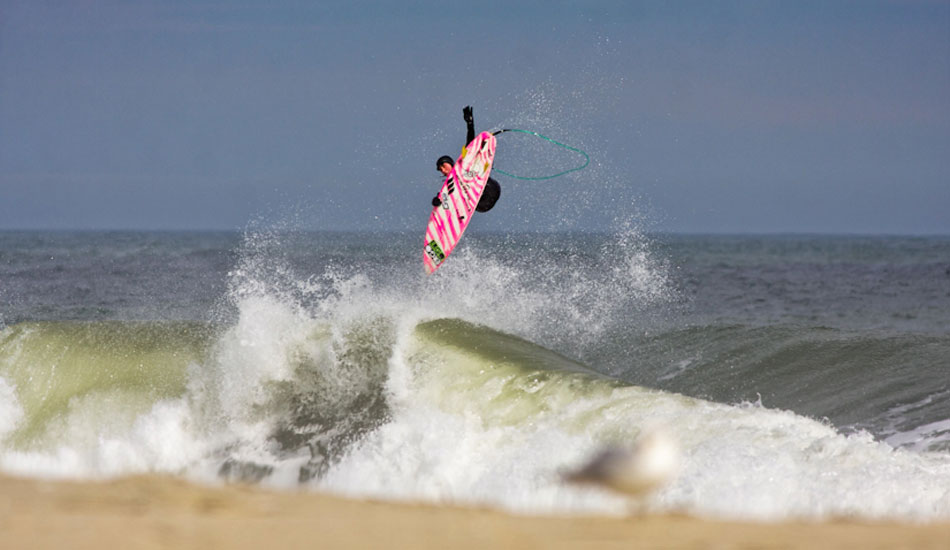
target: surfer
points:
(445, 164)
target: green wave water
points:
(57, 365)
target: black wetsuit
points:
(492, 189)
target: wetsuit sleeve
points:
(469, 123)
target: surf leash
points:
(545, 138)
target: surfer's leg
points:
(489, 196)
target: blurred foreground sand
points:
(153, 512)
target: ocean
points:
(802, 376)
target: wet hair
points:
(444, 159)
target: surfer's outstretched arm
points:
(469, 122)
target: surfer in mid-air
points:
(445, 163)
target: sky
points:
(699, 117)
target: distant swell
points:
(848, 377)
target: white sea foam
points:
(10, 411)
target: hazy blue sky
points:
(756, 116)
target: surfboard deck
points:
(459, 193)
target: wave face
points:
(325, 362)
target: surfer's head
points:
(444, 165)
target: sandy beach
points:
(152, 512)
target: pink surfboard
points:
(459, 194)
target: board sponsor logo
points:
(475, 171)
(434, 252)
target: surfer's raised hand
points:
(436, 201)
(467, 114)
